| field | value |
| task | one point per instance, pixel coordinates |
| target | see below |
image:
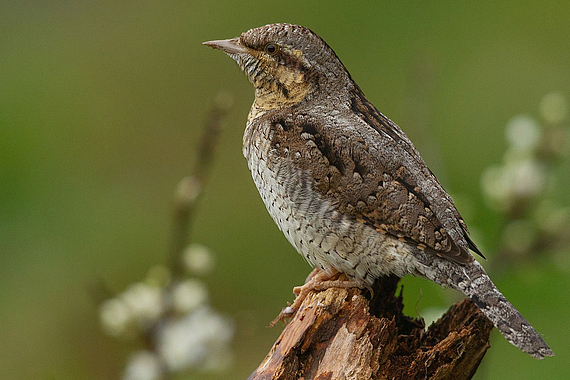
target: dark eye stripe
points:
(293, 62)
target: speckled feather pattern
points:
(346, 185)
(329, 239)
(313, 225)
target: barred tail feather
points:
(472, 280)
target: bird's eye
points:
(271, 48)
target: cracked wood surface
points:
(340, 334)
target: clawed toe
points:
(318, 280)
(287, 313)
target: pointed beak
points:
(230, 46)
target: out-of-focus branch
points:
(190, 187)
(520, 187)
(168, 311)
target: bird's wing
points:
(367, 167)
(413, 205)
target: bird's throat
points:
(288, 90)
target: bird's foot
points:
(318, 280)
(313, 273)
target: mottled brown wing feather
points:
(425, 229)
(388, 200)
(379, 192)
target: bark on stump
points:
(340, 334)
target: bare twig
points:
(152, 309)
(190, 187)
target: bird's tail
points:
(472, 280)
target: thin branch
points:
(190, 187)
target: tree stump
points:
(340, 334)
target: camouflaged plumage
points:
(345, 184)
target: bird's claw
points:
(286, 313)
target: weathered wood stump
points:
(340, 334)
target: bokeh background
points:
(102, 104)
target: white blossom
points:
(496, 185)
(526, 178)
(189, 189)
(144, 301)
(115, 316)
(143, 365)
(198, 259)
(189, 295)
(523, 133)
(516, 179)
(197, 341)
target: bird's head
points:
(285, 63)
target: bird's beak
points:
(230, 46)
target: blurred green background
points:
(101, 107)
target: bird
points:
(346, 185)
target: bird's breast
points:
(311, 222)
